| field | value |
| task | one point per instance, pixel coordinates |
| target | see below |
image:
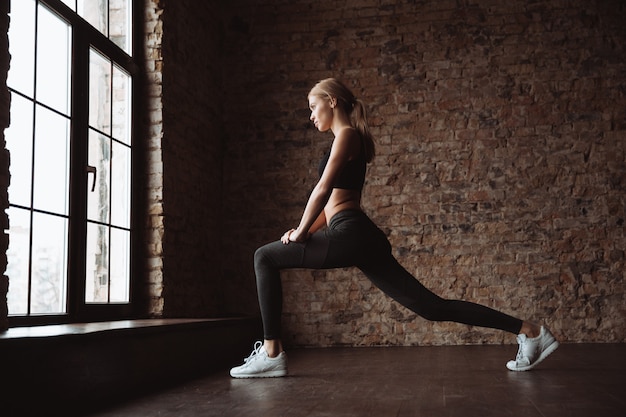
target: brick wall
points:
(500, 171)
(154, 228)
(184, 162)
(500, 176)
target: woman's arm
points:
(346, 144)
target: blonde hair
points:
(355, 108)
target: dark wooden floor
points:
(577, 380)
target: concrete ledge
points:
(76, 368)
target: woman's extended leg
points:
(386, 273)
(535, 342)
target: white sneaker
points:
(533, 350)
(260, 365)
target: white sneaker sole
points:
(266, 374)
(511, 365)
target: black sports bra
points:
(352, 176)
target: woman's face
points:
(321, 112)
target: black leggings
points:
(352, 239)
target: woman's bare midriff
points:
(342, 199)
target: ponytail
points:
(358, 119)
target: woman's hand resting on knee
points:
(293, 235)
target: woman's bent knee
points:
(261, 256)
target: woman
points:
(350, 238)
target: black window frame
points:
(85, 37)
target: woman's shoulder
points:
(350, 141)
(348, 131)
(348, 134)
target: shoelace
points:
(257, 349)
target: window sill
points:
(109, 327)
(91, 365)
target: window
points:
(71, 146)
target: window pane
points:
(97, 270)
(49, 260)
(51, 181)
(95, 12)
(120, 265)
(121, 17)
(120, 186)
(98, 200)
(53, 61)
(99, 92)
(121, 105)
(17, 257)
(19, 137)
(22, 47)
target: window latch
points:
(92, 170)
